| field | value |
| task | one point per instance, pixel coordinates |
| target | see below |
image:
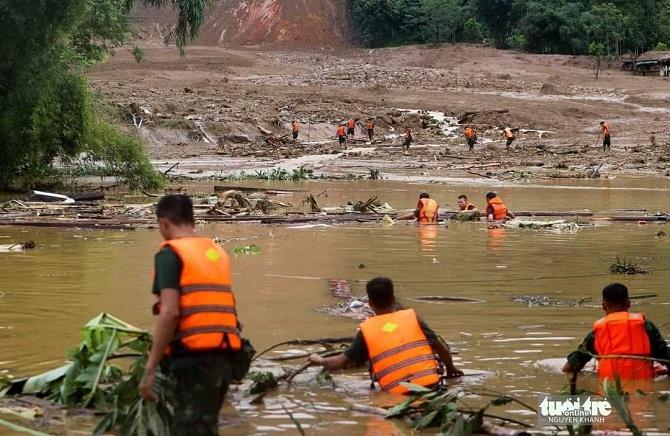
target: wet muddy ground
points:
(47, 294)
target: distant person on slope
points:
(371, 129)
(342, 135)
(509, 136)
(605, 132)
(351, 128)
(471, 138)
(408, 140)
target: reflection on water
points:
(46, 295)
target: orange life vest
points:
(623, 333)
(207, 313)
(371, 125)
(340, 131)
(428, 210)
(499, 209)
(352, 124)
(399, 351)
(469, 133)
(296, 127)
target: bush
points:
(473, 31)
(516, 41)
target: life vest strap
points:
(403, 364)
(181, 334)
(410, 377)
(205, 287)
(205, 308)
(399, 349)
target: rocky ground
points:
(220, 110)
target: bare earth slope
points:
(230, 109)
(278, 23)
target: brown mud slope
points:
(224, 106)
(276, 23)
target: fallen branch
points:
(306, 342)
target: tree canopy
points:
(47, 112)
(538, 26)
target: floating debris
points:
(623, 266)
(17, 247)
(442, 298)
(559, 225)
(543, 300)
(252, 249)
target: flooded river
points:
(46, 295)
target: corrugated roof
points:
(654, 56)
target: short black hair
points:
(177, 208)
(491, 195)
(424, 195)
(463, 196)
(615, 294)
(380, 292)
(602, 122)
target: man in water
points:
(398, 344)
(464, 205)
(426, 212)
(197, 331)
(620, 333)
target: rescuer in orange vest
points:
(426, 212)
(398, 344)
(371, 129)
(351, 127)
(496, 209)
(342, 135)
(471, 137)
(620, 333)
(464, 205)
(197, 332)
(508, 134)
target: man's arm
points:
(332, 363)
(166, 324)
(443, 351)
(659, 347)
(356, 353)
(578, 359)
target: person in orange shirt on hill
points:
(606, 134)
(471, 137)
(371, 128)
(295, 129)
(342, 135)
(351, 128)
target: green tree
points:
(443, 18)
(607, 25)
(46, 110)
(551, 26)
(497, 16)
(473, 31)
(597, 50)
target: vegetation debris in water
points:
(624, 266)
(262, 382)
(252, 249)
(103, 373)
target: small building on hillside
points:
(652, 63)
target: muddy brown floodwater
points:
(46, 295)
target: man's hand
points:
(453, 372)
(317, 360)
(147, 385)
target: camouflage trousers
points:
(200, 385)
